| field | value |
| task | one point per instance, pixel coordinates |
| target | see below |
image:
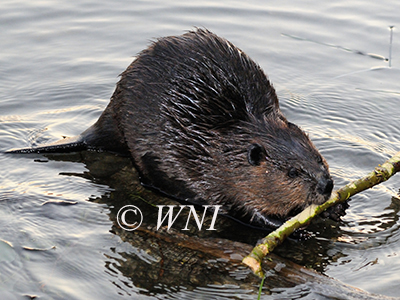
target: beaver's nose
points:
(325, 186)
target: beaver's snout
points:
(325, 186)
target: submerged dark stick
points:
(268, 244)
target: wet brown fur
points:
(202, 124)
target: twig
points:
(267, 245)
(390, 45)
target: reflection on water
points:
(59, 65)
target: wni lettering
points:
(169, 216)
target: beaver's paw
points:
(335, 212)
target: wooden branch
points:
(268, 244)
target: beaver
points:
(202, 124)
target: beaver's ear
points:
(256, 154)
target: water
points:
(59, 63)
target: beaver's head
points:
(282, 173)
(228, 140)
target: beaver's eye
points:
(293, 172)
(255, 154)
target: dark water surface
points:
(59, 62)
